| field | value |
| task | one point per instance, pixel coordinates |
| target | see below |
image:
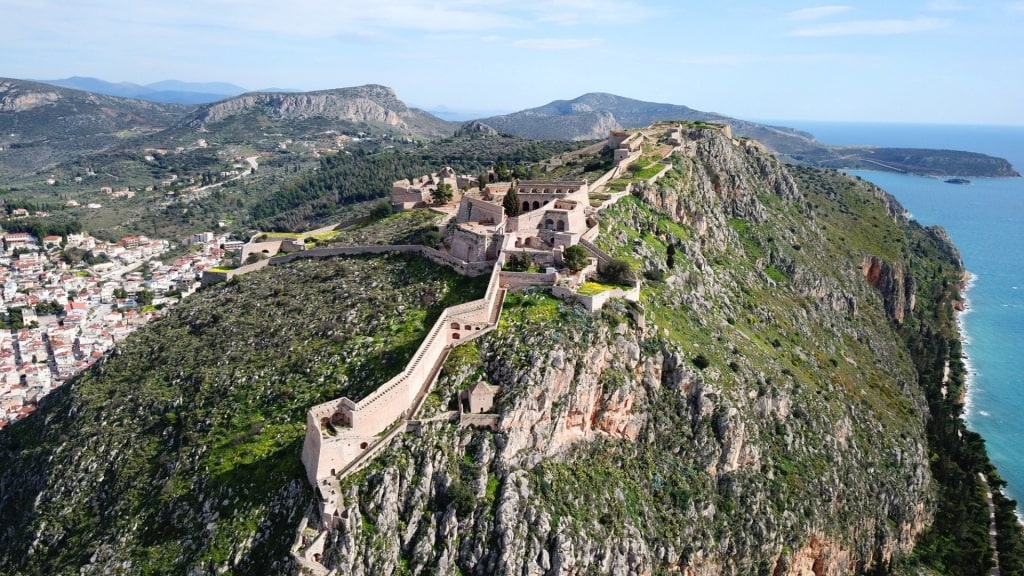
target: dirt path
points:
(992, 531)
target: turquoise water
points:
(986, 221)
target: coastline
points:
(962, 308)
(967, 394)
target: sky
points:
(928, 61)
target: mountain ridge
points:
(164, 91)
(590, 116)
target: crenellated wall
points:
(325, 454)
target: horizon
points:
(927, 62)
(439, 109)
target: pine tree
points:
(511, 203)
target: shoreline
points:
(966, 395)
(962, 308)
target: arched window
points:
(536, 204)
(455, 325)
(549, 224)
(526, 206)
(561, 225)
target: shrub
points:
(575, 258)
(430, 238)
(620, 271)
(701, 361)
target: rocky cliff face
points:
(371, 104)
(756, 414)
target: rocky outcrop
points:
(896, 287)
(744, 426)
(372, 104)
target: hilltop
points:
(777, 402)
(371, 105)
(592, 116)
(42, 125)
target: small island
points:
(958, 181)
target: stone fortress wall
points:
(339, 431)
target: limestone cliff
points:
(761, 410)
(756, 414)
(370, 104)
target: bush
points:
(655, 275)
(430, 238)
(620, 271)
(576, 258)
(518, 263)
(701, 361)
(381, 210)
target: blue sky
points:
(934, 61)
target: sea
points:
(986, 221)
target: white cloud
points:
(330, 18)
(1015, 7)
(872, 27)
(557, 43)
(817, 13)
(744, 59)
(945, 6)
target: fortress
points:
(341, 432)
(343, 435)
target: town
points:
(67, 300)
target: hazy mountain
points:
(222, 88)
(41, 124)
(165, 91)
(592, 116)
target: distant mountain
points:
(592, 116)
(460, 115)
(166, 91)
(222, 88)
(373, 106)
(41, 124)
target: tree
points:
(443, 193)
(381, 209)
(502, 172)
(620, 271)
(671, 260)
(144, 298)
(511, 203)
(575, 258)
(518, 263)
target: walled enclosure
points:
(339, 431)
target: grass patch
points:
(592, 288)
